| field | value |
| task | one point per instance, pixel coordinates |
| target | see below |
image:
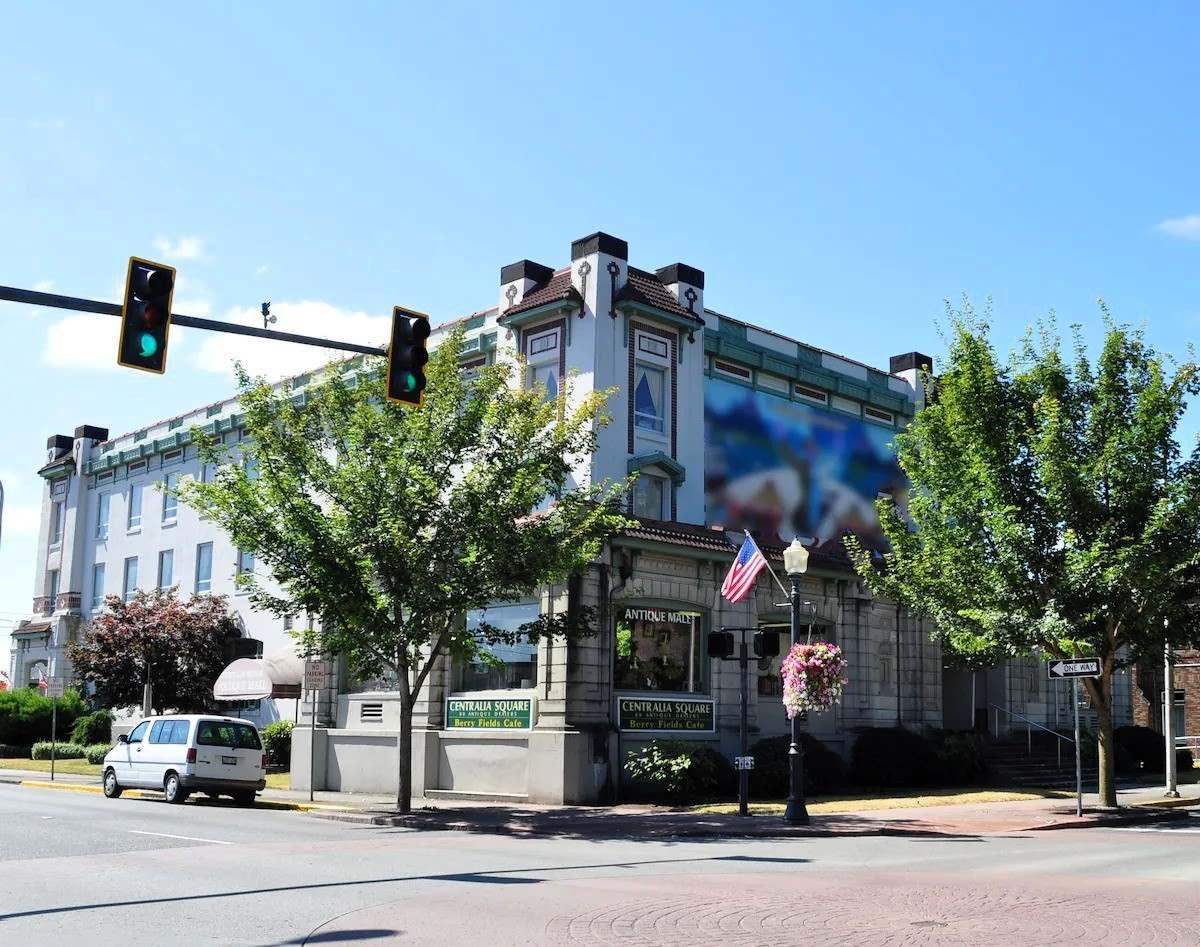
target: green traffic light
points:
(410, 381)
(149, 344)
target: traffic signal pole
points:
(77, 304)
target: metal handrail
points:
(1029, 724)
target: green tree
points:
(1051, 508)
(181, 644)
(390, 523)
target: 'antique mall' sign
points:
(666, 713)
(489, 713)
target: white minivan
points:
(184, 753)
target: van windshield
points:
(238, 736)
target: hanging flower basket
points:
(814, 676)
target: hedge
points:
(63, 751)
(277, 742)
(96, 752)
(93, 728)
(824, 770)
(25, 715)
(678, 772)
(9, 751)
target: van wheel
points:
(173, 790)
(112, 788)
(244, 798)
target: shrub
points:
(93, 728)
(824, 770)
(277, 742)
(96, 752)
(10, 752)
(959, 755)
(63, 751)
(25, 715)
(893, 756)
(678, 772)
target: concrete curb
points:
(1113, 821)
(90, 789)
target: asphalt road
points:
(82, 869)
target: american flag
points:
(43, 680)
(3, 681)
(745, 569)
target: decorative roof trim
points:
(674, 469)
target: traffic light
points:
(766, 644)
(720, 644)
(407, 356)
(146, 315)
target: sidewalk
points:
(1138, 805)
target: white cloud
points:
(185, 248)
(82, 341)
(90, 341)
(261, 269)
(1184, 228)
(21, 519)
(275, 360)
(43, 286)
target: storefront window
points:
(501, 666)
(658, 649)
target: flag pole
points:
(767, 561)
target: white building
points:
(730, 427)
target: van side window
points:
(138, 732)
(179, 733)
(156, 732)
(237, 736)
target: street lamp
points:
(795, 563)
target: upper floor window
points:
(542, 354)
(203, 567)
(547, 377)
(649, 399)
(170, 508)
(245, 561)
(97, 585)
(649, 496)
(52, 587)
(166, 569)
(135, 506)
(103, 505)
(129, 586)
(56, 522)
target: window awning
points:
(277, 675)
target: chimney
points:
(910, 367)
(519, 279)
(686, 284)
(599, 269)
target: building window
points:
(245, 561)
(652, 346)
(97, 585)
(658, 650)
(877, 414)
(135, 507)
(648, 496)
(250, 465)
(173, 456)
(170, 507)
(810, 393)
(102, 508)
(649, 399)
(208, 473)
(52, 586)
(288, 622)
(204, 567)
(56, 522)
(547, 377)
(129, 586)
(546, 342)
(166, 569)
(506, 666)
(732, 370)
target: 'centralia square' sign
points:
(664, 713)
(489, 713)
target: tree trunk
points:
(405, 747)
(1101, 694)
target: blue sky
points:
(838, 173)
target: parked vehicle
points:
(186, 753)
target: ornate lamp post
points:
(795, 563)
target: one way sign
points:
(1076, 667)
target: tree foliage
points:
(184, 643)
(390, 523)
(1051, 507)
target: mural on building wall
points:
(781, 469)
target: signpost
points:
(54, 690)
(1075, 668)
(316, 677)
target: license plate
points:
(229, 760)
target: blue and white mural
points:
(782, 469)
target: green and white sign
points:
(489, 713)
(666, 713)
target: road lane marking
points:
(186, 838)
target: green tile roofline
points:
(730, 344)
